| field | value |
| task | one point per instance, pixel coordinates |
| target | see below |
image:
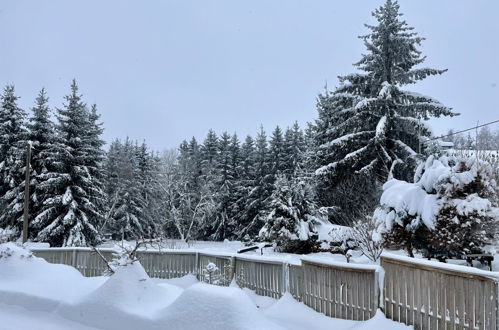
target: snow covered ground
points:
(37, 295)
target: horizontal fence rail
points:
(436, 297)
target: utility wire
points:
(464, 130)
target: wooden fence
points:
(266, 277)
(438, 296)
(425, 295)
(346, 292)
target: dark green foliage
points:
(369, 125)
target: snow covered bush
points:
(7, 235)
(450, 209)
(10, 249)
(289, 220)
(342, 241)
(210, 269)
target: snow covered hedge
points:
(450, 209)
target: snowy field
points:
(37, 295)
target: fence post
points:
(285, 277)
(232, 269)
(377, 292)
(74, 261)
(196, 269)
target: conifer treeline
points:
(66, 199)
(218, 189)
(215, 190)
(369, 129)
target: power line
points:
(464, 130)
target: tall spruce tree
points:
(127, 201)
(42, 137)
(13, 136)
(225, 184)
(70, 214)
(294, 149)
(370, 124)
(276, 159)
(261, 188)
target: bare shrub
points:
(365, 235)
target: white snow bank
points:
(296, 316)
(18, 318)
(60, 298)
(379, 321)
(130, 290)
(204, 306)
(20, 271)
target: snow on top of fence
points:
(339, 264)
(440, 265)
(40, 249)
(292, 260)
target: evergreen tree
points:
(127, 203)
(12, 160)
(195, 165)
(370, 124)
(225, 183)
(146, 180)
(70, 213)
(42, 137)
(260, 189)
(276, 153)
(290, 214)
(246, 170)
(294, 146)
(209, 152)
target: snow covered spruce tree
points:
(227, 178)
(42, 137)
(260, 188)
(13, 136)
(294, 149)
(132, 186)
(289, 217)
(450, 210)
(370, 124)
(71, 212)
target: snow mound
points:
(130, 290)
(13, 250)
(295, 315)
(20, 271)
(379, 321)
(58, 296)
(204, 306)
(183, 282)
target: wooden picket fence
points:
(438, 296)
(425, 295)
(267, 277)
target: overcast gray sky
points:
(167, 70)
